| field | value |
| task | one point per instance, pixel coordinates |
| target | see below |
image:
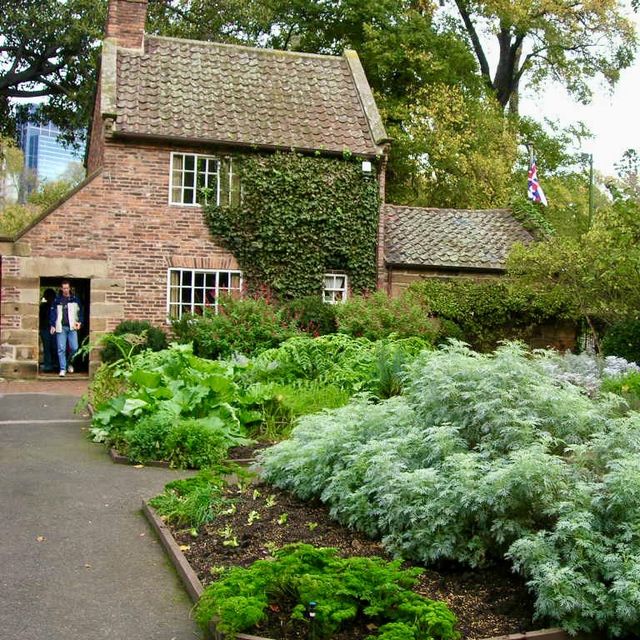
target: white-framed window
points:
(335, 288)
(194, 290)
(197, 179)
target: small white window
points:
(198, 179)
(194, 179)
(335, 288)
(193, 291)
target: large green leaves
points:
(177, 405)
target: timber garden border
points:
(194, 587)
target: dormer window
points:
(199, 179)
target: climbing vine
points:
(300, 217)
(529, 215)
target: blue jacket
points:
(74, 312)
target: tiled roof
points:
(240, 95)
(451, 238)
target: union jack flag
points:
(535, 190)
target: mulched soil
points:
(488, 602)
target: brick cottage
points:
(168, 118)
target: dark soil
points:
(488, 602)
(248, 452)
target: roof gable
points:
(228, 94)
(451, 238)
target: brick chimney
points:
(125, 22)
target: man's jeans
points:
(71, 336)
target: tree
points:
(599, 271)
(452, 150)
(15, 216)
(561, 40)
(11, 164)
(49, 49)
(218, 20)
(563, 174)
(628, 172)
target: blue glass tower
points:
(45, 157)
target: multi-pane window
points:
(199, 179)
(193, 291)
(335, 288)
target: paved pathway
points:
(77, 559)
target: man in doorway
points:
(65, 319)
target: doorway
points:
(81, 288)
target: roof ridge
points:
(213, 43)
(415, 207)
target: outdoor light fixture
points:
(367, 168)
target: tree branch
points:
(22, 93)
(17, 57)
(287, 40)
(475, 40)
(38, 68)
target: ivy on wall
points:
(300, 217)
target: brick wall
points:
(96, 137)
(556, 334)
(118, 231)
(401, 278)
(125, 21)
(382, 272)
(123, 217)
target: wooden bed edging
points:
(188, 576)
(194, 587)
(542, 634)
(118, 458)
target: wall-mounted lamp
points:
(367, 167)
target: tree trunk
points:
(503, 80)
(514, 98)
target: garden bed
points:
(243, 456)
(487, 603)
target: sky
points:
(612, 116)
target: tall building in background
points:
(45, 157)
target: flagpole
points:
(531, 150)
(590, 188)
(589, 157)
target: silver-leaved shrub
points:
(488, 456)
(585, 369)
